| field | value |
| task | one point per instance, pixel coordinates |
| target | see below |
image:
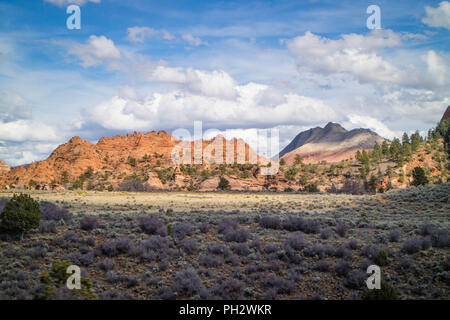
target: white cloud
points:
(354, 54)
(139, 34)
(26, 130)
(194, 41)
(438, 17)
(372, 124)
(13, 107)
(96, 51)
(436, 68)
(216, 83)
(212, 97)
(61, 3)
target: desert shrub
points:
(89, 241)
(38, 252)
(20, 214)
(107, 264)
(270, 223)
(204, 227)
(404, 264)
(152, 225)
(256, 244)
(230, 289)
(343, 268)
(394, 236)
(67, 240)
(323, 266)
(386, 292)
(188, 245)
(296, 241)
(187, 284)
(279, 285)
(88, 223)
(81, 259)
(131, 281)
(47, 226)
(226, 224)
(326, 234)
(352, 244)
(271, 247)
(355, 280)
(440, 238)
(182, 229)
(114, 295)
(300, 224)
(50, 211)
(113, 248)
(240, 249)
(343, 252)
(218, 249)
(317, 250)
(155, 248)
(427, 229)
(341, 229)
(412, 246)
(166, 293)
(382, 258)
(239, 235)
(210, 261)
(232, 232)
(370, 251)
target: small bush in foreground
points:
(20, 214)
(386, 292)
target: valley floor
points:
(180, 245)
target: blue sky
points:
(235, 65)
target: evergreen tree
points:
(419, 176)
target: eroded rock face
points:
(3, 167)
(121, 157)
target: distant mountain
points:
(332, 143)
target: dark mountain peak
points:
(446, 114)
(332, 133)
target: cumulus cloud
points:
(436, 68)
(13, 107)
(193, 41)
(438, 17)
(96, 51)
(204, 97)
(372, 124)
(139, 34)
(216, 83)
(61, 3)
(26, 130)
(354, 54)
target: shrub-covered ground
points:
(260, 246)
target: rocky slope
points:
(332, 143)
(147, 157)
(4, 168)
